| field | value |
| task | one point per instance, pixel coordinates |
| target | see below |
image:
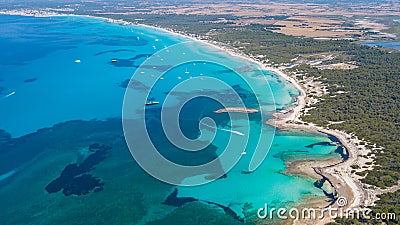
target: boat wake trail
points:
(223, 129)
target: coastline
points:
(339, 174)
(238, 110)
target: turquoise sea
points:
(64, 159)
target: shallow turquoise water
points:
(42, 84)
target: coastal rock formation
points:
(239, 110)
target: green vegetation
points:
(388, 203)
(370, 99)
(203, 23)
(355, 166)
(370, 107)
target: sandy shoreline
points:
(238, 110)
(339, 174)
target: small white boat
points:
(113, 60)
(12, 93)
(152, 103)
(77, 61)
(237, 132)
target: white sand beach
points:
(345, 182)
